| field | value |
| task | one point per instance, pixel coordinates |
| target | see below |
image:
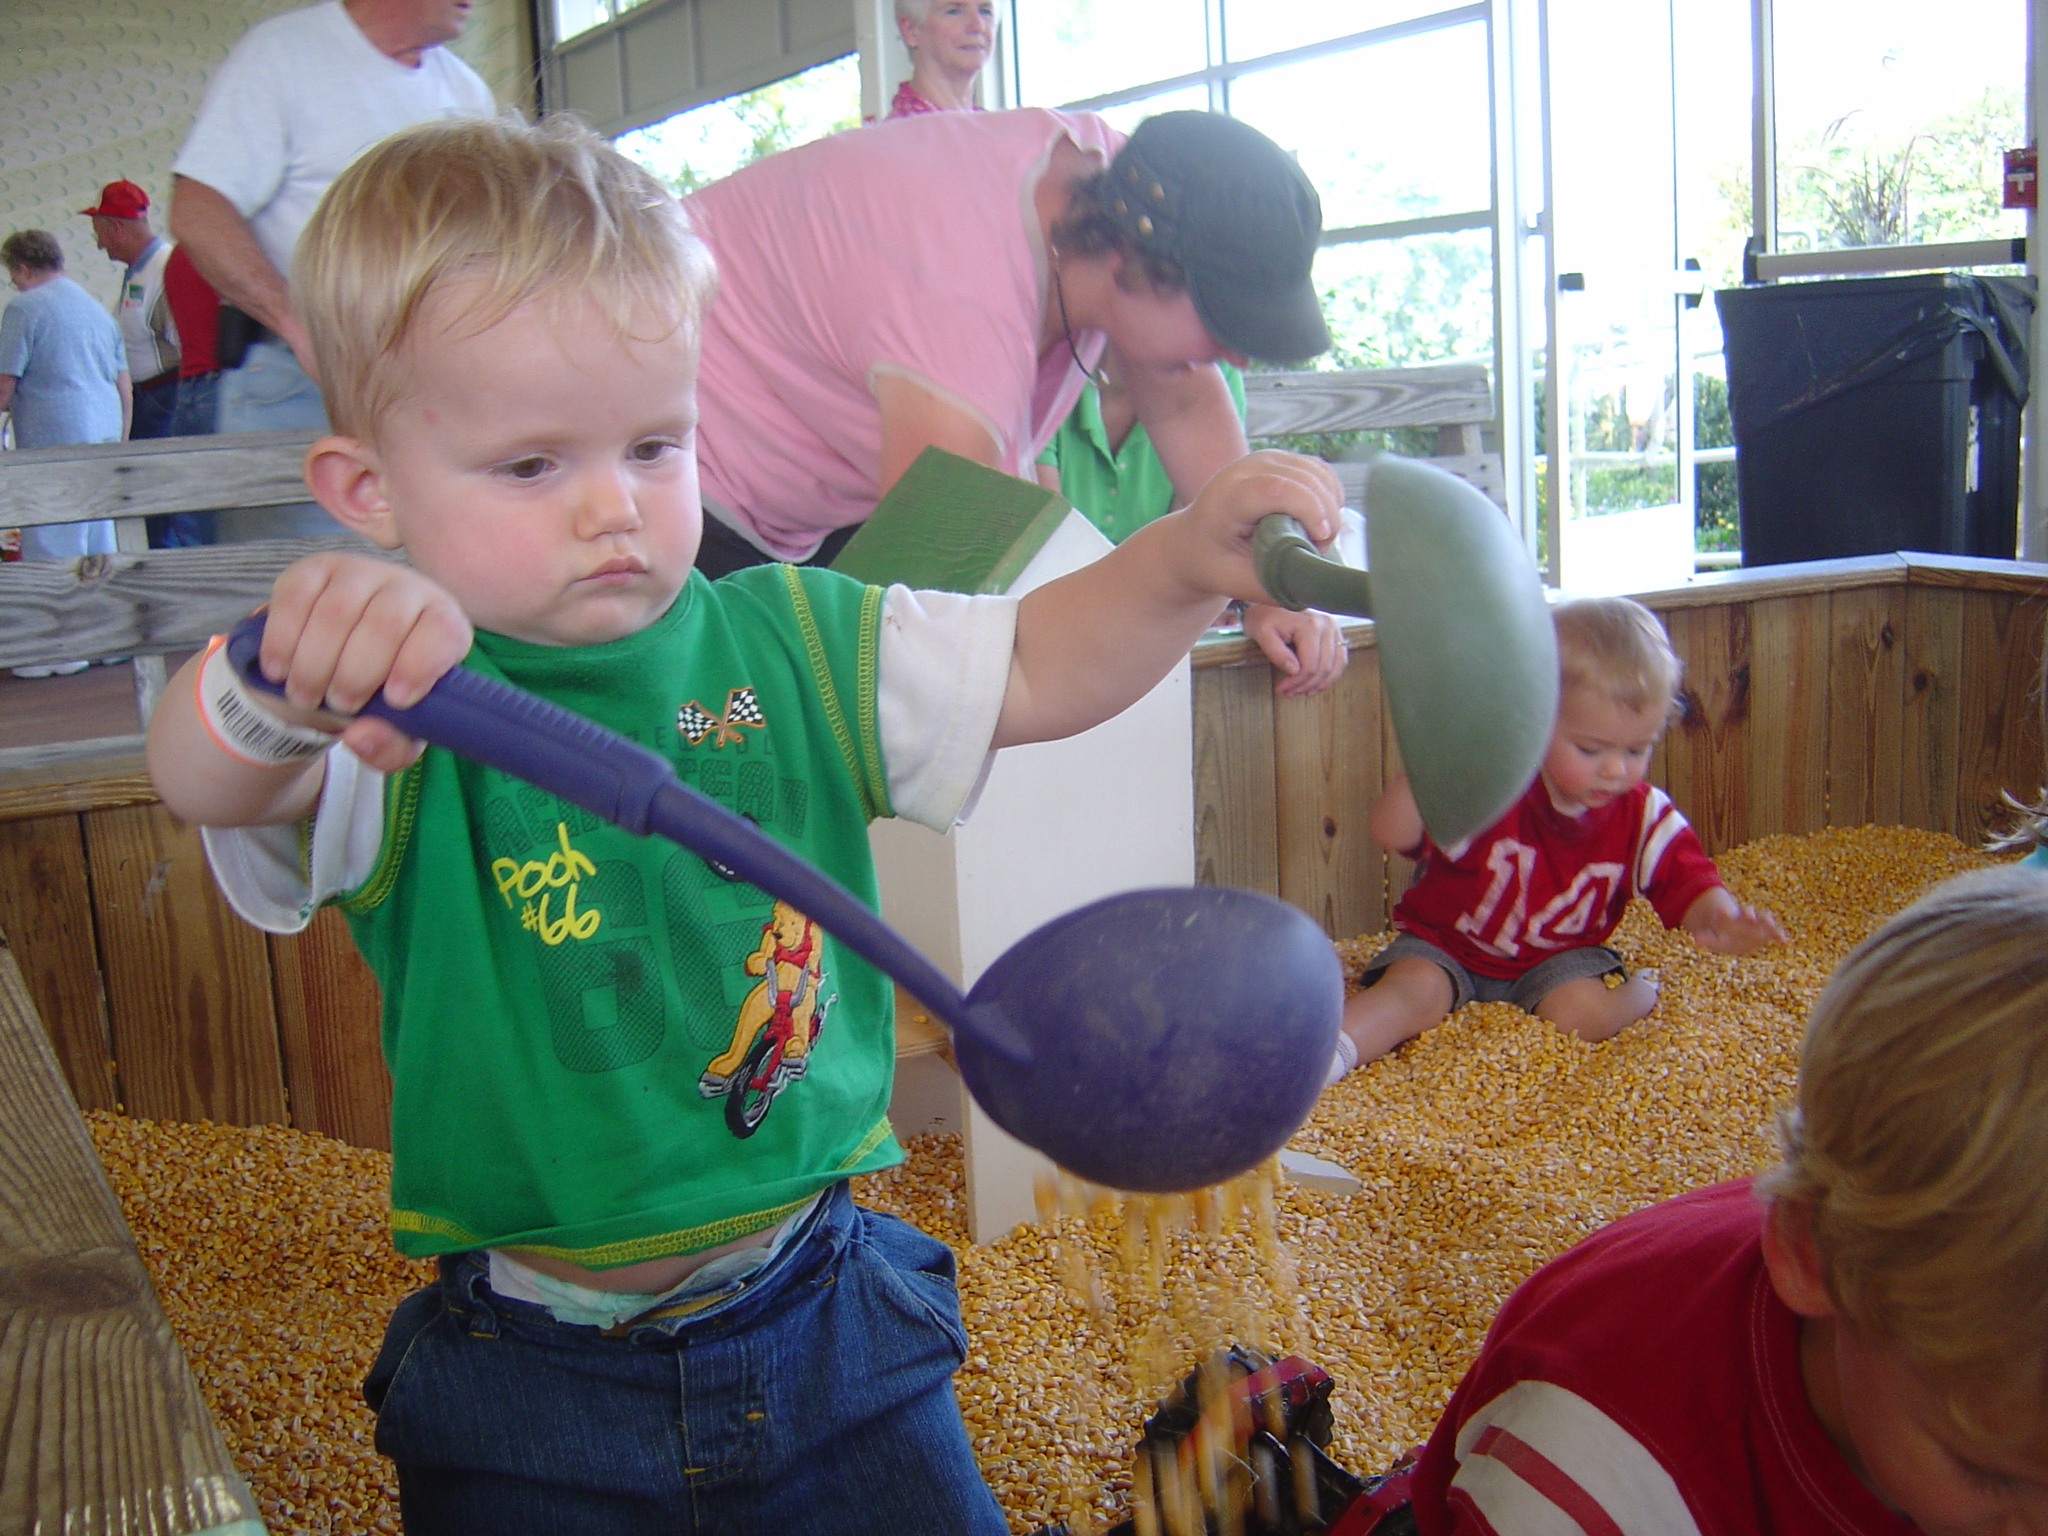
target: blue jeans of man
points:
(270, 392)
(156, 415)
(813, 1398)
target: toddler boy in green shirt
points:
(652, 1313)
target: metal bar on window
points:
(1401, 229)
(1223, 73)
(1768, 267)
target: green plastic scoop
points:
(1465, 639)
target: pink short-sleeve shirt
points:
(912, 245)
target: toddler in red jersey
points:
(1521, 912)
(1857, 1341)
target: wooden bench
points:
(105, 1433)
(1455, 400)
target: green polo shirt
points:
(1121, 491)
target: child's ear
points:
(1792, 1261)
(345, 478)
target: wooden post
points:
(105, 1433)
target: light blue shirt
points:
(65, 352)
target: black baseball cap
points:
(1231, 208)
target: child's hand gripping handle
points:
(630, 786)
(1297, 575)
(509, 729)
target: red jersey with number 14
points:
(1539, 881)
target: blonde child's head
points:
(508, 212)
(1615, 647)
(1916, 1155)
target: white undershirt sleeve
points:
(943, 669)
(275, 878)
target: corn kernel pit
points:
(1486, 1146)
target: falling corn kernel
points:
(1485, 1146)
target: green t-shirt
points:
(1119, 492)
(558, 991)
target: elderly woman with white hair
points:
(949, 41)
(950, 279)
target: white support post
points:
(1058, 824)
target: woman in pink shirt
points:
(948, 279)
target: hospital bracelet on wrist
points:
(243, 728)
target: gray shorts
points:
(1524, 991)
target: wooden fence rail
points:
(1897, 689)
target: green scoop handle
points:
(1464, 634)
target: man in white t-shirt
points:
(298, 98)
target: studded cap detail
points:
(1234, 212)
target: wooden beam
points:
(1451, 394)
(174, 474)
(46, 904)
(105, 1433)
(188, 982)
(141, 604)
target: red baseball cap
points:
(121, 200)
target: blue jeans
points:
(190, 415)
(813, 1398)
(270, 392)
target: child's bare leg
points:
(1592, 1010)
(1410, 995)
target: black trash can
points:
(1875, 414)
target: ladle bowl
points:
(1465, 640)
(1157, 1040)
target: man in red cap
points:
(120, 227)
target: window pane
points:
(1402, 303)
(1069, 50)
(575, 16)
(705, 143)
(1194, 99)
(1890, 127)
(1255, 27)
(1355, 121)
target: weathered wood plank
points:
(91, 786)
(1995, 706)
(175, 474)
(46, 905)
(1715, 588)
(2024, 750)
(1280, 404)
(1706, 749)
(1236, 829)
(1975, 573)
(104, 1432)
(1326, 773)
(329, 1010)
(188, 982)
(142, 604)
(1786, 770)
(58, 755)
(1865, 705)
(1929, 726)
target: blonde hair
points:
(1616, 647)
(1917, 1143)
(514, 212)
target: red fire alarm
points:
(2022, 179)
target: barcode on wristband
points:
(243, 728)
